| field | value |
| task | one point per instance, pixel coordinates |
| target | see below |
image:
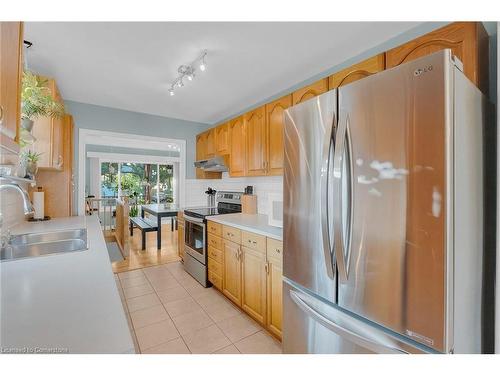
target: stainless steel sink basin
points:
(39, 244)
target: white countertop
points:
(63, 301)
(251, 223)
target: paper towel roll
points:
(38, 204)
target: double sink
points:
(39, 244)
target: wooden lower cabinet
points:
(232, 271)
(253, 265)
(274, 296)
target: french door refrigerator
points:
(383, 214)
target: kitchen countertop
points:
(66, 302)
(252, 223)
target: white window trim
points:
(115, 139)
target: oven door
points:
(194, 238)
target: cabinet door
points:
(254, 283)
(180, 241)
(200, 153)
(210, 143)
(57, 143)
(357, 71)
(11, 38)
(237, 134)
(222, 137)
(274, 296)
(232, 271)
(49, 134)
(275, 146)
(467, 40)
(308, 92)
(255, 126)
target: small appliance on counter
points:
(275, 210)
(195, 233)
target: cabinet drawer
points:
(215, 254)
(214, 228)
(215, 267)
(253, 241)
(215, 241)
(231, 234)
(214, 279)
(275, 249)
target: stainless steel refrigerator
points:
(383, 214)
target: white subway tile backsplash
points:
(195, 189)
(11, 206)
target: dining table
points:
(161, 210)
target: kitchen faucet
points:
(27, 207)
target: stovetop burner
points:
(210, 211)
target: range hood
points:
(215, 164)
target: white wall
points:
(195, 189)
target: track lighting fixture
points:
(188, 72)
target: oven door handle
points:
(193, 220)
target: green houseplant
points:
(29, 160)
(37, 100)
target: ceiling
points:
(129, 65)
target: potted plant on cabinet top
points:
(29, 160)
(36, 101)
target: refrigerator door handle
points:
(342, 151)
(351, 329)
(325, 223)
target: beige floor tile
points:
(130, 274)
(259, 343)
(150, 315)
(175, 346)
(136, 291)
(173, 294)
(182, 306)
(238, 327)
(142, 302)
(210, 297)
(231, 349)
(156, 334)
(162, 284)
(133, 281)
(221, 310)
(157, 273)
(189, 282)
(206, 340)
(192, 321)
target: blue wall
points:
(90, 116)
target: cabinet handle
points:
(254, 242)
(1, 115)
(278, 251)
(266, 266)
(60, 161)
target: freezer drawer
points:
(312, 326)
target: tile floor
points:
(170, 313)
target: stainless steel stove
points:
(195, 233)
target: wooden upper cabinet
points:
(237, 136)
(467, 40)
(222, 137)
(255, 126)
(49, 134)
(357, 71)
(211, 143)
(11, 39)
(310, 91)
(275, 145)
